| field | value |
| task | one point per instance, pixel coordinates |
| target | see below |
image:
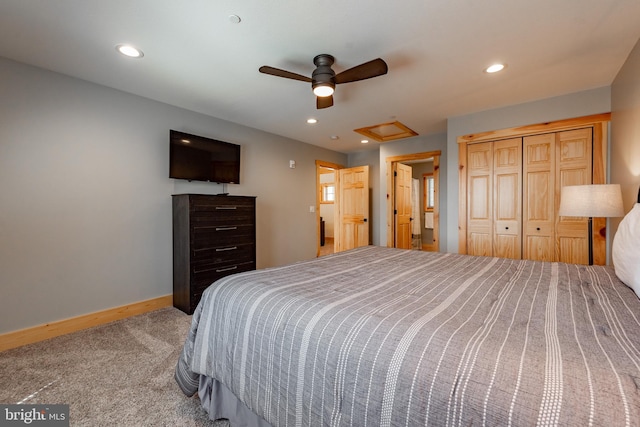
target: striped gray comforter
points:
(378, 336)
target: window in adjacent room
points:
(328, 193)
(429, 192)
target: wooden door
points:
(480, 199)
(507, 201)
(539, 201)
(352, 205)
(573, 167)
(403, 178)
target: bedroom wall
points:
(625, 131)
(577, 104)
(85, 198)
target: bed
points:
(388, 337)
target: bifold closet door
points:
(539, 198)
(494, 198)
(552, 161)
(507, 198)
(573, 167)
(480, 199)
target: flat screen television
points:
(196, 158)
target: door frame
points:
(319, 165)
(391, 232)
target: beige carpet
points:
(119, 374)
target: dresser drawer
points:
(201, 203)
(218, 236)
(211, 257)
(202, 279)
(226, 217)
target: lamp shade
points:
(595, 201)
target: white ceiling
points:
(436, 50)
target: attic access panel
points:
(387, 131)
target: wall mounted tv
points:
(196, 158)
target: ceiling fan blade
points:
(374, 68)
(265, 69)
(324, 101)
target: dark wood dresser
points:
(213, 237)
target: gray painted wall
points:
(85, 198)
(578, 104)
(625, 131)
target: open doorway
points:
(325, 206)
(342, 207)
(423, 216)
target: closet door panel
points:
(507, 212)
(573, 167)
(539, 197)
(479, 244)
(480, 199)
(573, 250)
(480, 219)
(481, 207)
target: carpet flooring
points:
(118, 374)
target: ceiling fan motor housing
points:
(323, 75)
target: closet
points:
(510, 185)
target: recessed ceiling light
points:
(312, 121)
(494, 68)
(334, 137)
(234, 19)
(130, 51)
(365, 141)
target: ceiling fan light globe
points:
(323, 90)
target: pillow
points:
(626, 250)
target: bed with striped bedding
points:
(388, 337)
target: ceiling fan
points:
(324, 80)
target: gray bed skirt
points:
(220, 402)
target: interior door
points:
(539, 203)
(507, 200)
(352, 208)
(573, 167)
(479, 199)
(402, 211)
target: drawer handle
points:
(538, 228)
(222, 208)
(226, 228)
(220, 270)
(233, 248)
